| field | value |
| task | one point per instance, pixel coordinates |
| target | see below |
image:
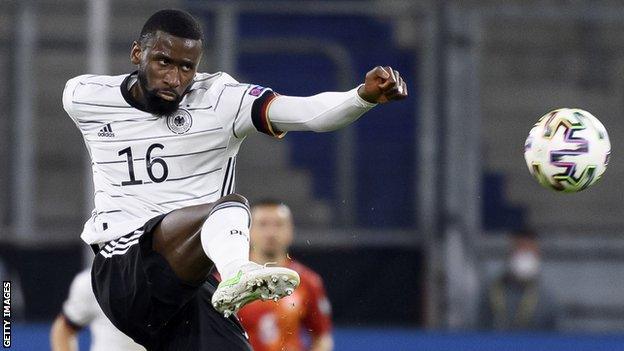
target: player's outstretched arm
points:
(333, 110)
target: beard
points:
(154, 103)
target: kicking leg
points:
(178, 238)
(194, 238)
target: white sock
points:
(225, 237)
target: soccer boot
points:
(253, 282)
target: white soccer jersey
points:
(81, 309)
(145, 165)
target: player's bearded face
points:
(167, 65)
(153, 102)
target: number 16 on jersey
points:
(149, 164)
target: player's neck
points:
(137, 93)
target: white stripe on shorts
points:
(119, 251)
(122, 245)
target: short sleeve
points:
(247, 105)
(95, 99)
(318, 314)
(68, 96)
(80, 308)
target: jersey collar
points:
(132, 79)
(125, 91)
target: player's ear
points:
(135, 53)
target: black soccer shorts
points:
(141, 295)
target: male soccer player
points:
(163, 142)
(81, 309)
(284, 325)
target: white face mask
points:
(524, 265)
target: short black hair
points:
(175, 22)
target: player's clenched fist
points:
(383, 84)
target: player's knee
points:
(233, 201)
(232, 198)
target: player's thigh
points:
(177, 238)
(182, 224)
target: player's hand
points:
(383, 84)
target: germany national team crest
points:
(180, 121)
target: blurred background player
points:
(81, 309)
(283, 325)
(516, 299)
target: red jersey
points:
(281, 326)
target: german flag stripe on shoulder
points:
(260, 114)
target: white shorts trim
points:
(122, 245)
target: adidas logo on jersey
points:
(106, 131)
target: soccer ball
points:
(567, 150)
